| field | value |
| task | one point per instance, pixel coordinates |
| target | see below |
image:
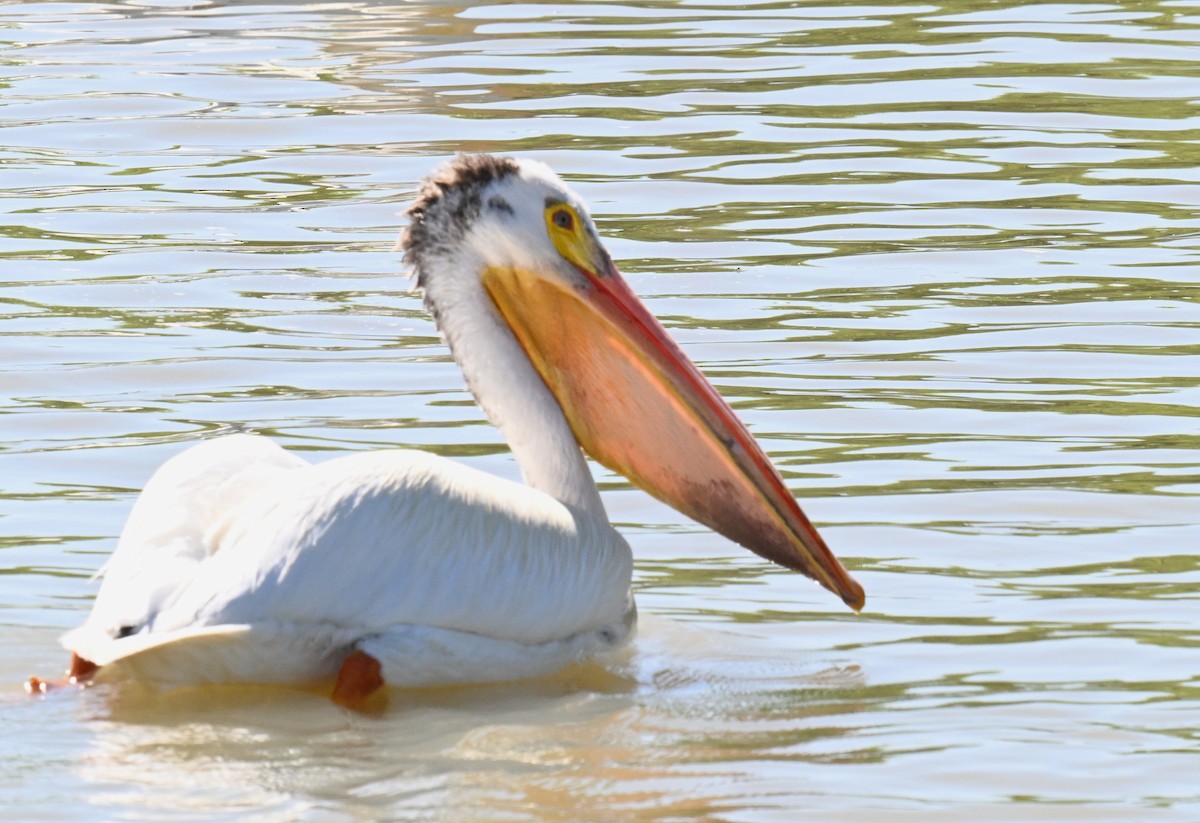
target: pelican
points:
(241, 562)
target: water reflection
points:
(643, 722)
(939, 256)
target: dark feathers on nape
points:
(454, 187)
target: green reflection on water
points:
(846, 213)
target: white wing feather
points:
(236, 543)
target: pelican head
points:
(509, 240)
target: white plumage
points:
(242, 562)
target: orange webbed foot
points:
(78, 674)
(361, 676)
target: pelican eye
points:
(563, 219)
(570, 236)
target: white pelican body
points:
(241, 562)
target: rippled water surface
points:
(942, 257)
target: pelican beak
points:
(637, 404)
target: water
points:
(941, 257)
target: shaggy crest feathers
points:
(447, 201)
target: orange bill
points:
(638, 405)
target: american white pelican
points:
(243, 563)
